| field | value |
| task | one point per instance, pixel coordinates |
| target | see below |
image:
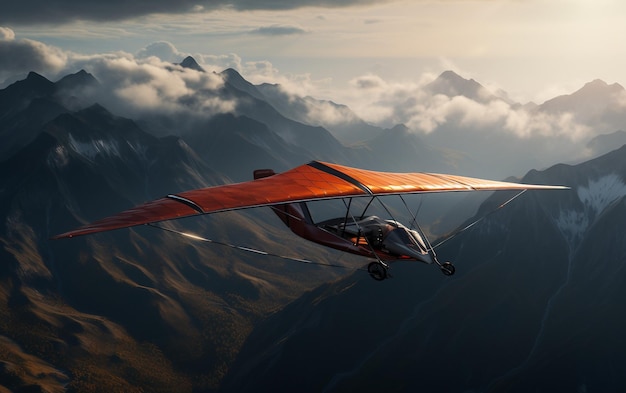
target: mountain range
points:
(536, 286)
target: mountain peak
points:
(80, 79)
(593, 98)
(451, 76)
(34, 85)
(32, 75)
(35, 79)
(399, 129)
(598, 86)
(596, 82)
(234, 79)
(451, 84)
(191, 63)
(231, 73)
(96, 109)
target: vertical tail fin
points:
(261, 173)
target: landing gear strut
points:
(377, 270)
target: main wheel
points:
(377, 271)
(448, 268)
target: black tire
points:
(448, 268)
(377, 271)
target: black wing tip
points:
(343, 176)
(187, 202)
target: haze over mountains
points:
(141, 309)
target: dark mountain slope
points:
(344, 124)
(581, 346)
(238, 145)
(18, 95)
(534, 306)
(401, 150)
(420, 321)
(22, 127)
(37, 274)
(303, 346)
(26, 105)
(136, 309)
(605, 143)
(251, 103)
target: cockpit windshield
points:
(403, 235)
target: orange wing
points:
(315, 180)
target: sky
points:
(532, 49)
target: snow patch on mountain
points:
(139, 150)
(602, 192)
(595, 197)
(573, 225)
(94, 147)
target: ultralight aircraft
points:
(288, 195)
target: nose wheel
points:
(447, 268)
(377, 270)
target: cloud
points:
(6, 34)
(133, 85)
(493, 131)
(62, 11)
(411, 103)
(278, 30)
(329, 115)
(164, 50)
(369, 81)
(460, 112)
(18, 56)
(145, 87)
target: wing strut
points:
(378, 269)
(445, 267)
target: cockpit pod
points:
(387, 239)
(387, 236)
(403, 241)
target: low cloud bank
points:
(20, 55)
(148, 80)
(424, 112)
(133, 85)
(151, 83)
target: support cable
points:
(248, 249)
(461, 230)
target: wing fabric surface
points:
(316, 180)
